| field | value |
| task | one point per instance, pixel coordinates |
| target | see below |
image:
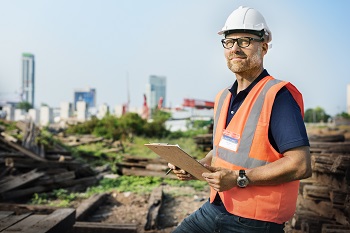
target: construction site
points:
(108, 123)
(37, 170)
(29, 169)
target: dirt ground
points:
(127, 207)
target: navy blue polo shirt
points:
(287, 129)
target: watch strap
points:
(241, 173)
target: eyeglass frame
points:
(236, 41)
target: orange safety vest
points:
(249, 129)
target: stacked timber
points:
(204, 141)
(141, 166)
(324, 201)
(27, 168)
(35, 219)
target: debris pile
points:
(35, 219)
(141, 166)
(204, 141)
(27, 167)
(324, 200)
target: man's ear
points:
(265, 48)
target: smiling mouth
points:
(237, 59)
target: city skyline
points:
(107, 44)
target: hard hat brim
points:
(253, 32)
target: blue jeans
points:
(209, 219)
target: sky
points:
(115, 45)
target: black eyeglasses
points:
(242, 42)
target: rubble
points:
(324, 202)
(26, 168)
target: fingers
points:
(212, 169)
(214, 184)
(221, 180)
(175, 169)
(211, 175)
(216, 189)
(180, 173)
(185, 177)
(172, 166)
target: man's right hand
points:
(181, 174)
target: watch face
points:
(242, 183)
(242, 180)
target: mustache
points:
(237, 54)
(232, 57)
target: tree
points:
(131, 124)
(24, 105)
(344, 115)
(124, 127)
(86, 127)
(160, 116)
(108, 127)
(316, 115)
(156, 128)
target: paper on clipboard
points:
(175, 155)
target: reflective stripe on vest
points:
(224, 93)
(241, 159)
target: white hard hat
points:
(247, 19)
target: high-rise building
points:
(87, 95)
(66, 110)
(348, 100)
(156, 91)
(28, 78)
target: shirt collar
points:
(233, 89)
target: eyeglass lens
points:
(242, 42)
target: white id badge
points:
(229, 140)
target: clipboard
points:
(175, 155)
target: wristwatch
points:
(242, 180)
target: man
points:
(261, 149)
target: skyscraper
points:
(348, 99)
(87, 95)
(28, 78)
(155, 91)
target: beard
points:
(248, 64)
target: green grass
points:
(138, 148)
(9, 125)
(97, 150)
(135, 184)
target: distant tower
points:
(87, 95)
(145, 110)
(348, 100)
(155, 90)
(28, 78)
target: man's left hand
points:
(220, 179)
